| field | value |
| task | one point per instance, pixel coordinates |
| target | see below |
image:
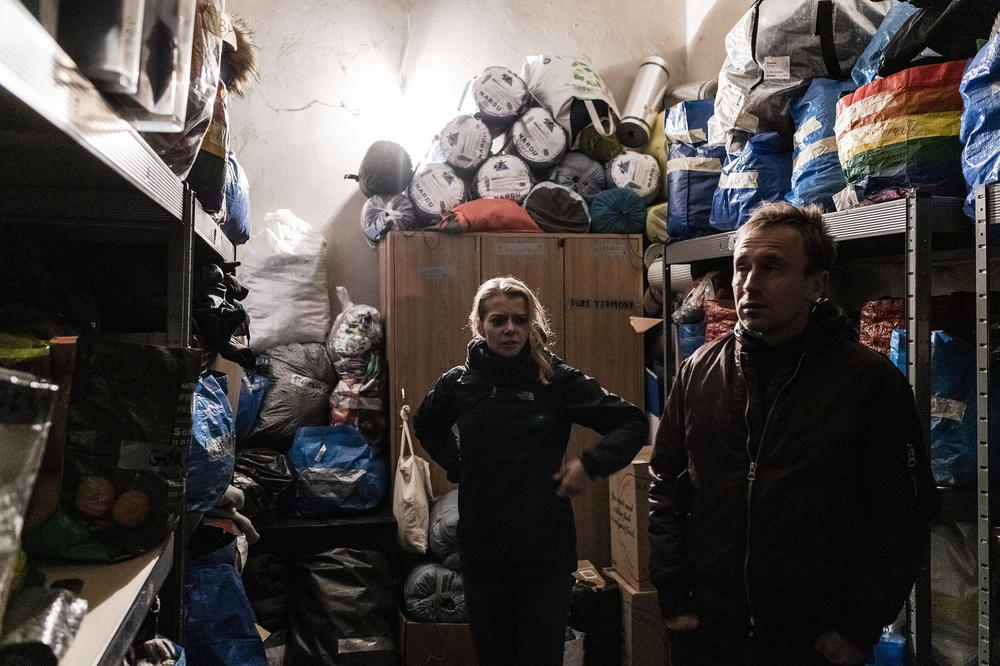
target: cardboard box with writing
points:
(645, 641)
(628, 492)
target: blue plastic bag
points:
(866, 67)
(761, 172)
(692, 177)
(335, 471)
(253, 388)
(237, 225)
(980, 133)
(687, 122)
(220, 626)
(213, 444)
(953, 411)
(690, 337)
(816, 171)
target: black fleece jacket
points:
(808, 490)
(512, 436)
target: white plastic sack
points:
(411, 493)
(284, 267)
(573, 651)
(559, 81)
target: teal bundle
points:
(618, 210)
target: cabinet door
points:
(537, 261)
(428, 282)
(602, 288)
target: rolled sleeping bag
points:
(538, 139)
(503, 177)
(435, 593)
(656, 223)
(464, 143)
(557, 209)
(443, 530)
(382, 213)
(600, 147)
(501, 96)
(583, 174)
(635, 171)
(618, 210)
(385, 169)
(434, 189)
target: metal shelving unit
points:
(910, 227)
(72, 171)
(987, 229)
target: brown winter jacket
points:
(809, 492)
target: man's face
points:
(505, 324)
(773, 291)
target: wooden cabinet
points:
(589, 283)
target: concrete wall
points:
(340, 74)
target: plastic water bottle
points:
(890, 649)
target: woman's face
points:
(504, 324)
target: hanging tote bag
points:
(573, 93)
(411, 493)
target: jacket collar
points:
(827, 324)
(482, 359)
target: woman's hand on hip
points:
(571, 478)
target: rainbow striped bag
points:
(898, 136)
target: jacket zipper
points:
(752, 475)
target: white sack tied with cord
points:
(411, 493)
(284, 267)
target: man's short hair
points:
(820, 248)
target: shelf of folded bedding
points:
(119, 595)
(874, 225)
(68, 156)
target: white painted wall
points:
(337, 75)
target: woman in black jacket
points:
(514, 403)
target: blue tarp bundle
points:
(980, 133)
(761, 172)
(816, 171)
(336, 471)
(691, 179)
(213, 444)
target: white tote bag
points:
(558, 82)
(411, 493)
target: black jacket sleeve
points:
(901, 498)
(433, 421)
(623, 425)
(669, 567)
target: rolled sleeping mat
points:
(501, 96)
(503, 177)
(435, 188)
(645, 100)
(465, 143)
(538, 139)
(635, 171)
(580, 173)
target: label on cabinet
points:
(437, 272)
(520, 249)
(600, 303)
(614, 248)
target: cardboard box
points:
(589, 574)
(645, 641)
(628, 490)
(435, 643)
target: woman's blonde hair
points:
(540, 331)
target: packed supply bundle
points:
(301, 377)
(980, 132)
(335, 472)
(573, 92)
(582, 174)
(381, 213)
(692, 176)
(635, 171)
(645, 99)
(212, 454)
(816, 172)
(127, 442)
(557, 209)
(776, 49)
(264, 476)
(899, 136)
(501, 96)
(488, 215)
(354, 343)
(284, 268)
(618, 210)
(238, 223)
(435, 188)
(866, 67)
(443, 537)
(464, 144)
(538, 139)
(503, 177)
(687, 121)
(761, 172)
(386, 168)
(434, 593)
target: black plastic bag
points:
(263, 475)
(952, 29)
(344, 609)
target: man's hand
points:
(687, 622)
(572, 478)
(837, 649)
